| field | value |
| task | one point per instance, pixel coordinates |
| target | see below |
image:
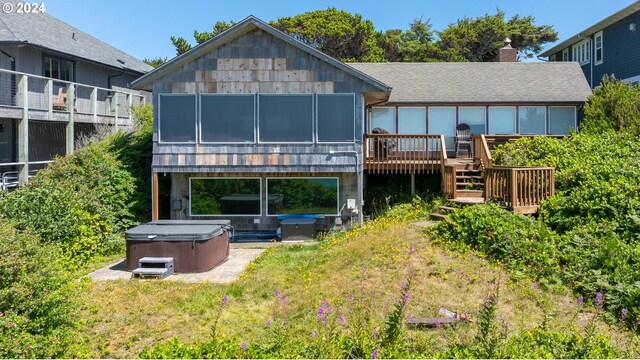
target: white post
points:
(130, 105)
(70, 125)
(115, 106)
(23, 129)
(94, 104)
(49, 97)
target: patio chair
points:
(61, 101)
(382, 146)
(463, 138)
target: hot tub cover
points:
(177, 230)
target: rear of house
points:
(256, 127)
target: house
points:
(255, 126)
(56, 83)
(611, 46)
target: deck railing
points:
(51, 99)
(403, 153)
(484, 144)
(521, 189)
(449, 187)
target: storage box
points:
(298, 229)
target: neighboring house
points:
(611, 46)
(254, 126)
(43, 61)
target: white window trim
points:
(552, 57)
(595, 49)
(224, 178)
(195, 123)
(304, 177)
(255, 116)
(565, 54)
(582, 52)
(317, 136)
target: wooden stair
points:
(469, 182)
(442, 212)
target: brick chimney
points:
(507, 53)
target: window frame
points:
(545, 117)
(485, 117)
(515, 118)
(596, 48)
(316, 134)
(199, 119)
(303, 177)
(223, 178)
(196, 120)
(575, 117)
(59, 59)
(582, 52)
(313, 129)
(395, 118)
(565, 54)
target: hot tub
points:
(194, 245)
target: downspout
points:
(11, 58)
(124, 71)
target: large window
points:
(597, 56)
(442, 120)
(58, 68)
(227, 118)
(225, 196)
(384, 118)
(502, 120)
(561, 119)
(565, 54)
(581, 51)
(303, 196)
(177, 118)
(475, 117)
(286, 118)
(336, 117)
(412, 120)
(532, 119)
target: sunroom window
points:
(225, 196)
(303, 196)
(532, 119)
(561, 119)
(177, 118)
(227, 118)
(336, 117)
(285, 118)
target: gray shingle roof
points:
(44, 30)
(513, 82)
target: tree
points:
(614, 106)
(479, 39)
(155, 62)
(337, 33)
(182, 45)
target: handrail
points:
(402, 153)
(12, 72)
(521, 189)
(481, 152)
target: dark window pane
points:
(336, 118)
(225, 196)
(303, 196)
(532, 120)
(227, 118)
(286, 118)
(177, 118)
(561, 120)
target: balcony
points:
(404, 154)
(51, 100)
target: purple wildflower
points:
(407, 296)
(375, 353)
(284, 299)
(535, 286)
(438, 324)
(376, 333)
(412, 248)
(364, 270)
(322, 311)
(623, 314)
(599, 300)
(342, 320)
(314, 334)
(278, 293)
(244, 345)
(580, 300)
(269, 322)
(350, 298)
(225, 299)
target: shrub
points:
(80, 202)
(614, 106)
(35, 297)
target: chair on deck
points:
(61, 101)
(463, 138)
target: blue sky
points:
(142, 27)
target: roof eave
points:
(243, 27)
(612, 19)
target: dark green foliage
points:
(386, 191)
(81, 203)
(524, 244)
(614, 106)
(35, 297)
(133, 150)
(155, 62)
(337, 33)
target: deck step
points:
(151, 273)
(472, 177)
(469, 193)
(468, 200)
(437, 216)
(447, 208)
(469, 183)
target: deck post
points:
(155, 206)
(49, 97)
(115, 106)
(413, 184)
(94, 104)
(70, 124)
(23, 129)
(129, 105)
(514, 189)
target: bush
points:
(614, 106)
(35, 297)
(80, 202)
